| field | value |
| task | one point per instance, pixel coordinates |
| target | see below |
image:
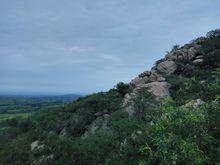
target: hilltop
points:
(168, 115)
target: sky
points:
(86, 46)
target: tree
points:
(175, 47)
(144, 102)
(122, 88)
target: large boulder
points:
(138, 81)
(198, 61)
(171, 56)
(192, 53)
(147, 77)
(167, 67)
(159, 89)
(144, 74)
(155, 77)
(128, 103)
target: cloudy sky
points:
(85, 46)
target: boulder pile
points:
(154, 80)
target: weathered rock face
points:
(186, 52)
(195, 103)
(145, 74)
(36, 145)
(159, 89)
(154, 80)
(167, 67)
(198, 60)
(138, 81)
(152, 76)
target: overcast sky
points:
(85, 46)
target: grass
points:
(14, 115)
(19, 106)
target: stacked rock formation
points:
(154, 80)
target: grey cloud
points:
(86, 46)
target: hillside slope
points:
(168, 115)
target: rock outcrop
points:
(195, 103)
(159, 89)
(167, 67)
(38, 147)
(154, 80)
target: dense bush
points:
(173, 136)
(15, 151)
(211, 51)
(123, 88)
(185, 89)
(180, 135)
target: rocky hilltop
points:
(155, 80)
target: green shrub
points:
(174, 136)
(123, 88)
(185, 89)
(211, 51)
(144, 102)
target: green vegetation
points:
(181, 136)
(144, 103)
(123, 88)
(20, 106)
(14, 115)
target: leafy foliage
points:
(185, 89)
(123, 88)
(211, 51)
(144, 102)
(175, 136)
